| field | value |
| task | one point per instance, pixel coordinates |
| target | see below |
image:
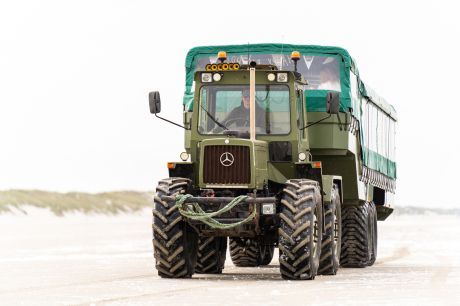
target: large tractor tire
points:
(266, 254)
(174, 241)
(300, 232)
(332, 237)
(373, 229)
(356, 236)
(249, 252)
(211, 255)
(245, 252)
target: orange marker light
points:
(295, 55)
(171, 165)
(222, 55)
(316, 164)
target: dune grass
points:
(121, 201)
(61, 203)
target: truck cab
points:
(221, 122)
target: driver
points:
(240, 114)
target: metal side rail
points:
(220, 200)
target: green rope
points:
(197, 213)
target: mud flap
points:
(383, 212)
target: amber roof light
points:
(222, 55)
(295, 55)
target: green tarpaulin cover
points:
(314, 98)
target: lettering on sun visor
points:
(222, 67)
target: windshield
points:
(227, 108)
(321, 72)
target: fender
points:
(328, 184)
(182, 169)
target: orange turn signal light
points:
(171, 165)
(295, 55)
(316, 164)
(222, 55)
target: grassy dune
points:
(122, 201)
(61, 203)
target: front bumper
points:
(265, 216)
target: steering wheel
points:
(238, 121)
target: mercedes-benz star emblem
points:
(227, 159)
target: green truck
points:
(285, 146)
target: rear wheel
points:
(373, 229)
(211, 255)
(356, 236)
(245, 252)
(266, 254)
(300, 232)
(249, 252)
(174, 242)
(330, 247)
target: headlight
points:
(206, 77)
(282, 77)
(302, 156)
(216, 77)
(184, 156)
(268, 209)
(271, 77)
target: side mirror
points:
(154, 102)
(333, 102)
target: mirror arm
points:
(172, 122)
(340, 122)
(313, 123)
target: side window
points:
(203, 103)
(300, 118)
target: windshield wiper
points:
(214, 119)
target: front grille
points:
(214, 172)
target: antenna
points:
(248, 54)
(282, 55)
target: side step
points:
(383, 212)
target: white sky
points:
(74, 79)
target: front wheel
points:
(300, 232)
(174, 242)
